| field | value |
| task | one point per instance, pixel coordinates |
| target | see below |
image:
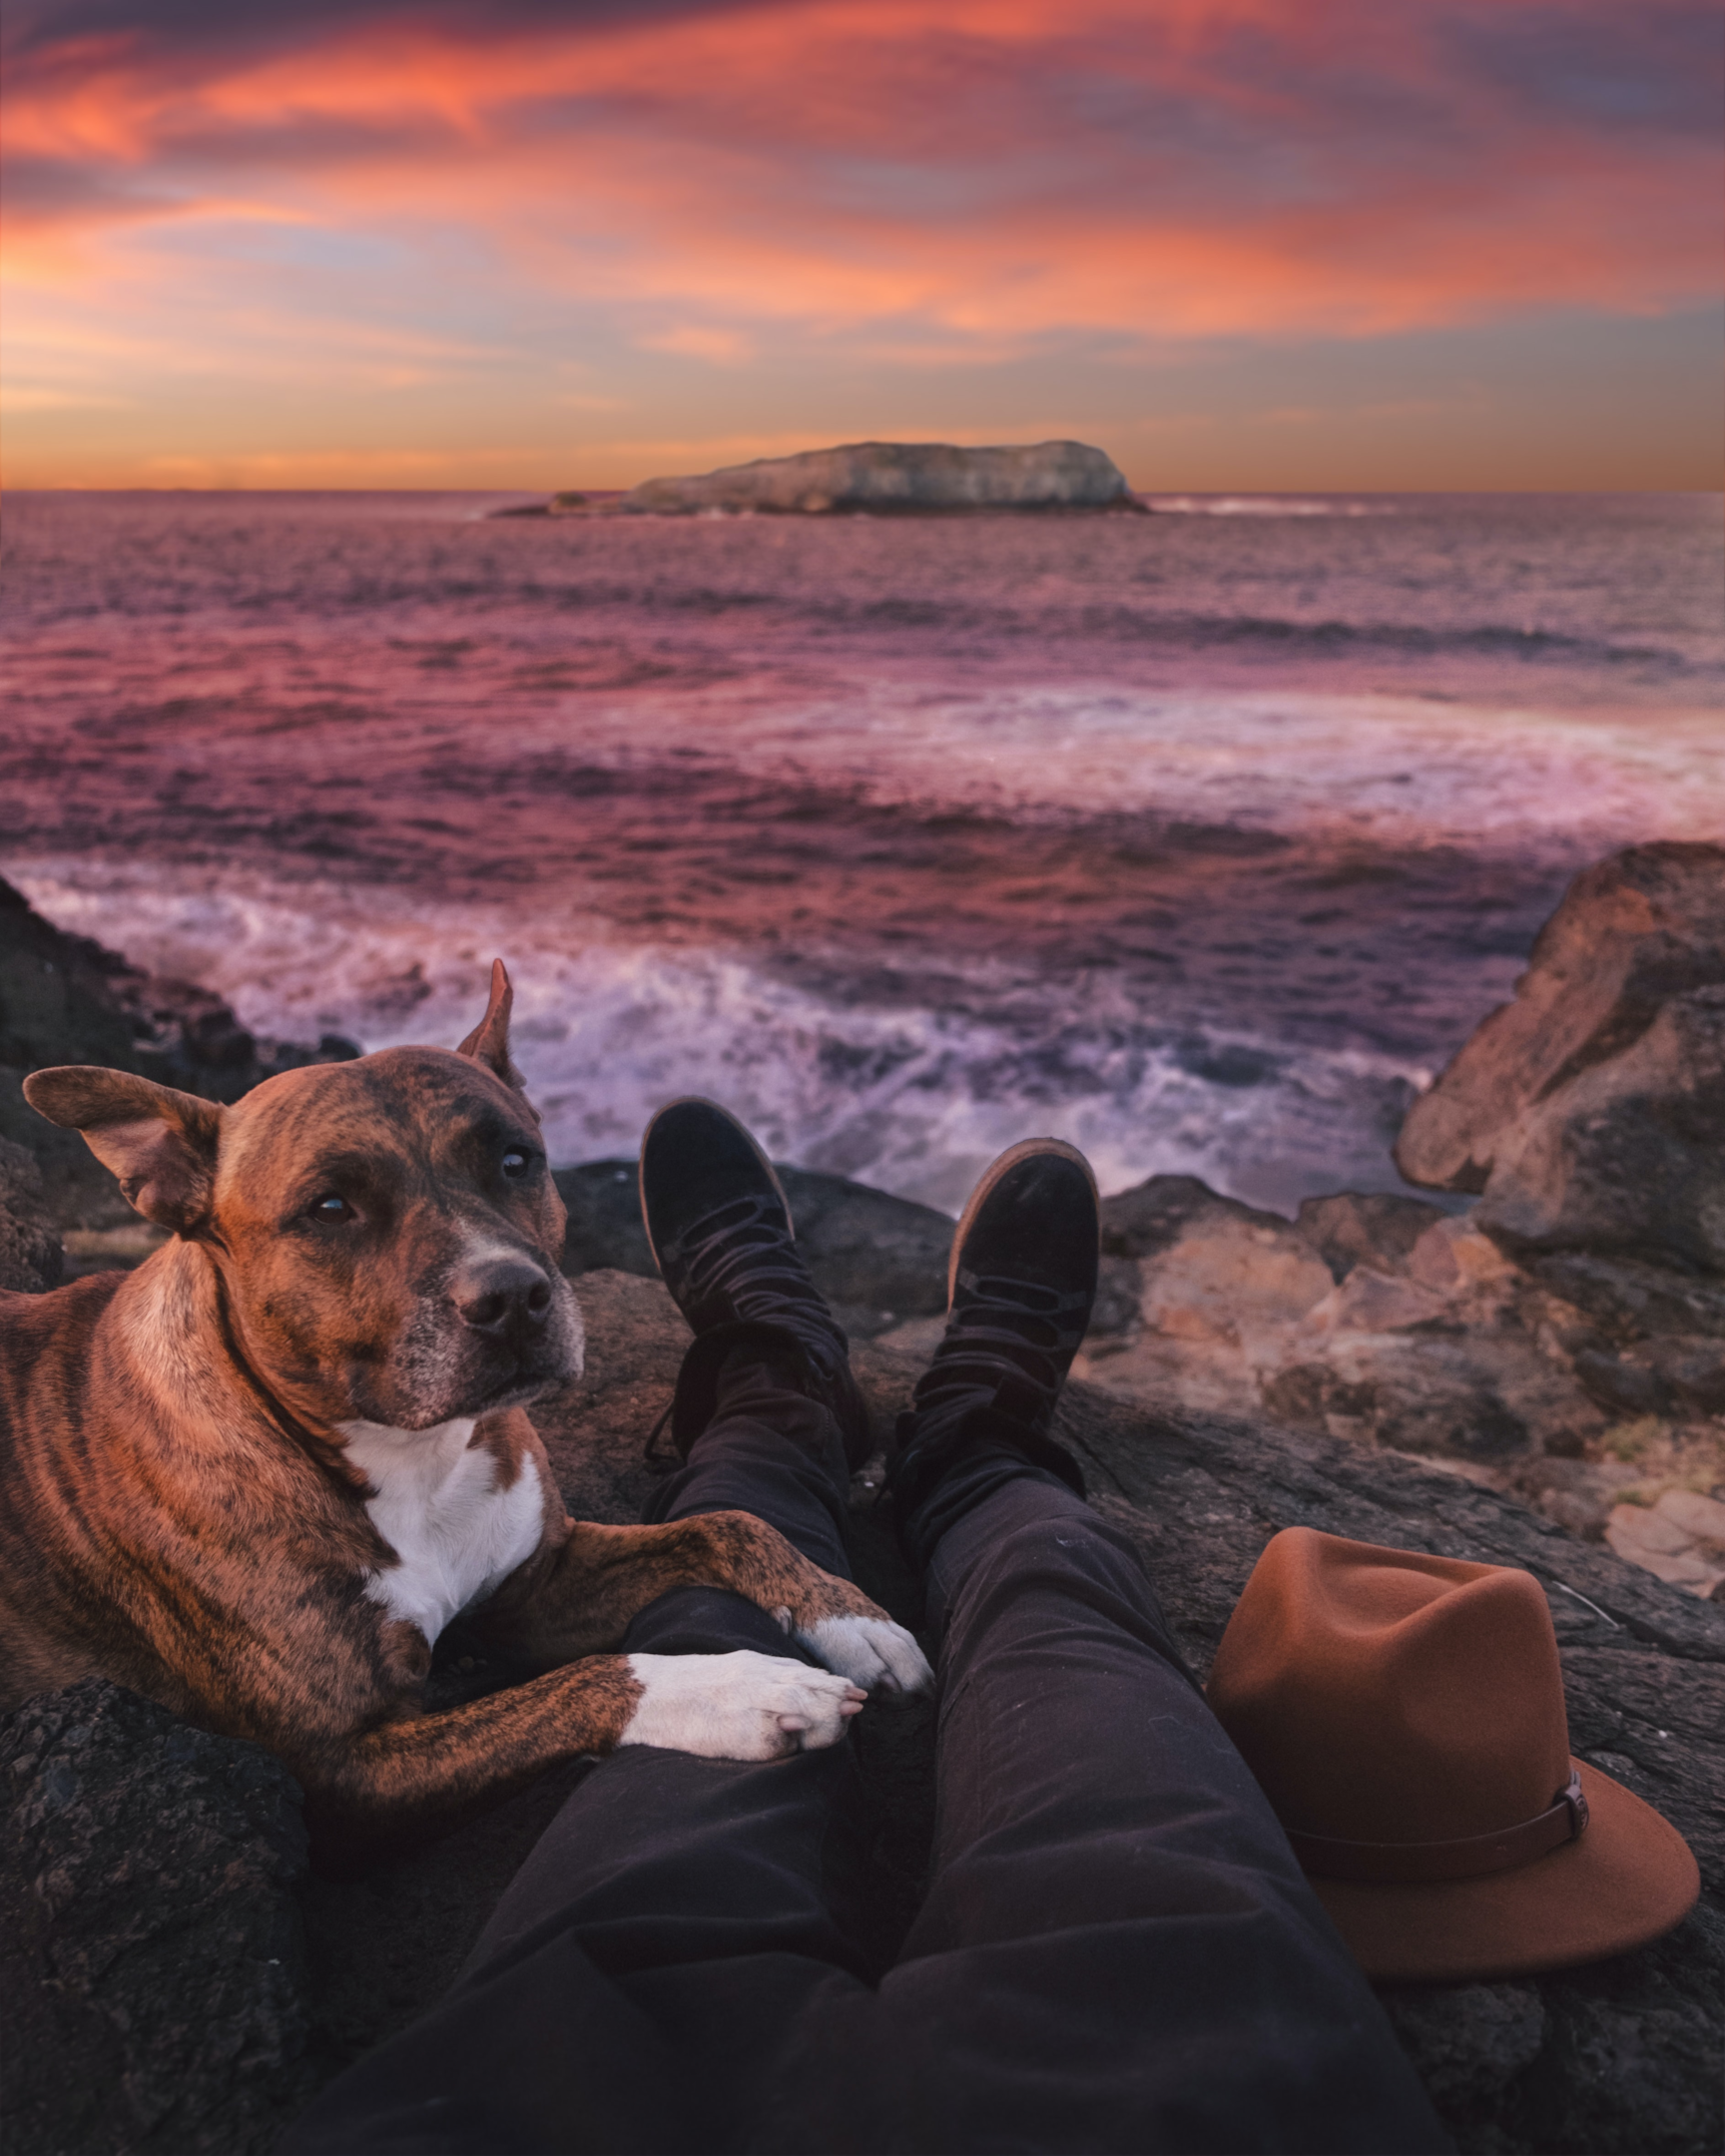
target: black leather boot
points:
(1020, 1287)
(721, 1233)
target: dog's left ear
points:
(488, 1043)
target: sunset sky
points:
(1239, 244)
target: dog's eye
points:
(331, 1210)
(516, 1164)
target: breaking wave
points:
(911, 1100)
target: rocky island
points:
(1537, 1382)
(880, 479)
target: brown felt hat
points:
(1405, 1716)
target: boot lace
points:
(1008, 1341)
(740, 1262)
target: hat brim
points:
(1629, 1878)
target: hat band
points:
(1475, 1856)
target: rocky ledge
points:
(1536, 1383)
(162, 2015)
(1564, 1339)
(67, 999)
(881, 479)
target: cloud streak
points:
(877, 186)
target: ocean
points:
(1200, 838)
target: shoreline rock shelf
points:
(1586, 1386)
(880, 479)
(1618, 2056)
(1549, 1396)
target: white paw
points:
(742, 1706)
(871, 1651)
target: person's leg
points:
(1118, 1953)
(660, 1859)
(1118, 1950)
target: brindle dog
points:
(255, 1478)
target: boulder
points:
(898, 479)
(68, 1000)
(152, 1962)
(870, 1253)
(1365, 1228)
(1152, 1216)
(1634, 932)
(1628, 1155)
(30, 1253)
(1680, 1538)
(1376, 1318)
(1627, 1299)
(1433, 1339)
(1486, 1398)
(1193, 1287)
(1233, 1280)
(604, 1234)
(56, 1006)
(1621, 2056)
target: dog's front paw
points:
(872, 1651)
(742, 1706)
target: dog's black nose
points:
(502, 1294)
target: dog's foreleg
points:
(578, 1599)
(420, 1776)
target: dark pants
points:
(1117, 1950)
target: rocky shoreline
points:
(1540, 1382)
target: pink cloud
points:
(1192, 167)
(890, 185)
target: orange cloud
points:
(889, 185)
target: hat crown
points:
(1385, 1695)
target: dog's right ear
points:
(161, 1144)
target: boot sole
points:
(700, 1100)
(992, 1174)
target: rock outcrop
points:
(31, 1258)
(1589, 1382)
(1591, 1386)
(67, 999)
(1629, 1155)
(1370, 1318)
(1618, 2057)
(896, 478)
(152, 1961)
(1590, 1111)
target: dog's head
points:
(386, 1230)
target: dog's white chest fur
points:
(438, 1506)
